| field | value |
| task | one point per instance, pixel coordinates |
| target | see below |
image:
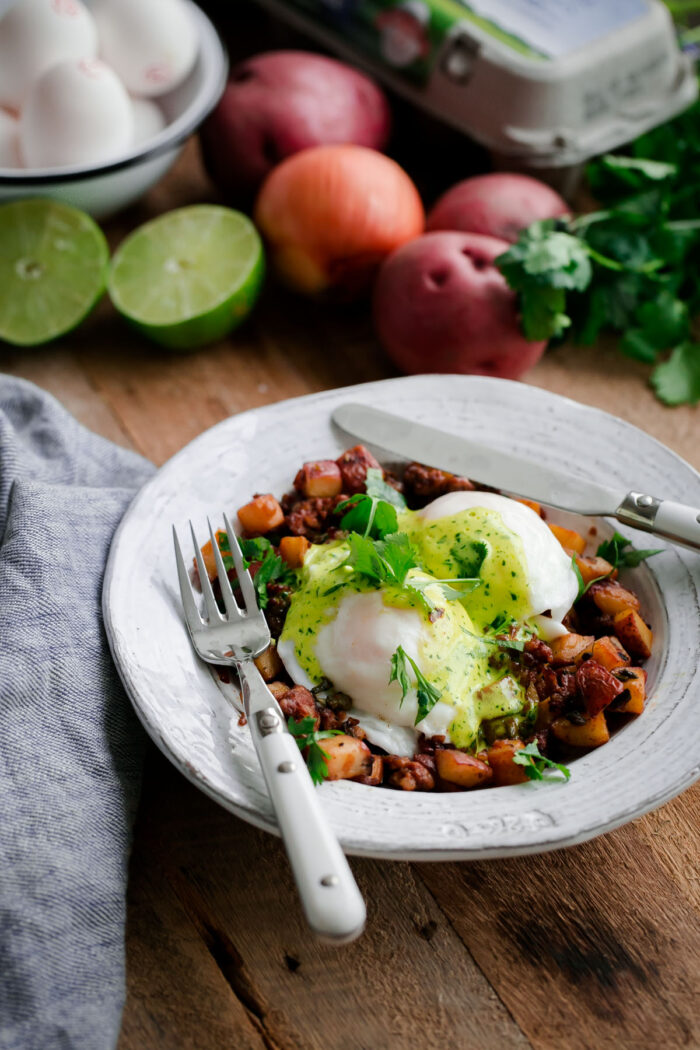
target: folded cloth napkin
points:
(70, 747)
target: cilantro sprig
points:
(272, 567)
(537, 766)
(630, 267)
(427, 694)
(372, 513)
(621, 554)
(307, 737)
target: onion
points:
(331, 214)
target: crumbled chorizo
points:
(354, 465)
(299, 703)
(427, 483)
(407, 774)
(312, 518)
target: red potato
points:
(497, 205)
(280, 102)
(440, 305)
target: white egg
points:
(152, 44)
(76, 113)
(355, 651)
(9, 141)
(35, 34)
(551, 582)
(148, 120)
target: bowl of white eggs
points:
(97, 99)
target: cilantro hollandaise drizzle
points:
(456, 654)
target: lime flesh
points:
(53, 269)
(188, 277)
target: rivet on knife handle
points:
(673, 521)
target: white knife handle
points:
(673, 521)
(332, 903)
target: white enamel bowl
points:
(188, 715)
(104, 189)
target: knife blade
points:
(517, 475)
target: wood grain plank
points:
(589, 947)
(177, 996)
(407, 981)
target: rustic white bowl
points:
(190, 715)
(103, 189)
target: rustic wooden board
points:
(596, 946)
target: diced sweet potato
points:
(634, 634)
(208, 554)
(293, 550)
(611, 597)
(568, 538)
(532, 504)
(261, 515)
(269, 663)
(347, 757)
(319, 478)
(592, 567)
(544, 716)
(635, 683)
(597, 685)
(500, 758)
(610, 653)
(592, 733)
(571, 648)
(456, 767)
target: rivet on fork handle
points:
(268, 722)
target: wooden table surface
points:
(594, 946)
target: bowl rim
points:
(173, 135)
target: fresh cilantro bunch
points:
(308, 737)
(372, 513)
(632, 266)
(427, 694)
(537, 767)
(272, 568)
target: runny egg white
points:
(342, 628)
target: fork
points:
(332, 903)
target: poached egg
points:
(341, 628)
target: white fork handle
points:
(332, 903)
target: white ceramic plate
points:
(189, 716)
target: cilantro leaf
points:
(427, 694)
(398, 554)
(378, 488)
(368, 516)
(307, 737)
(537, 766)
(676, 381)
(381, 561)
(615, 551)
(448, 588)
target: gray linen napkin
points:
(70, 747)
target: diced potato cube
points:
(279, 689)
(346, 757)
(293, 550)
(532, 504)
(634, 634)
(568, 538)
(592, 733)
(592, 567)
(208, 554)
(319, 478)
(500, 758)
(610, 653)
(571, 648)
(269, 663)
(456, 767)
(597, 685)
(637, 688)
(261, 515)
(611, 597)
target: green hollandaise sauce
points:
(456, 653)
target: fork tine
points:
(224, 582)
(250, 598)
(212, 608)
(192, 616)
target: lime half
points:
(190, 276)
(53, 269)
